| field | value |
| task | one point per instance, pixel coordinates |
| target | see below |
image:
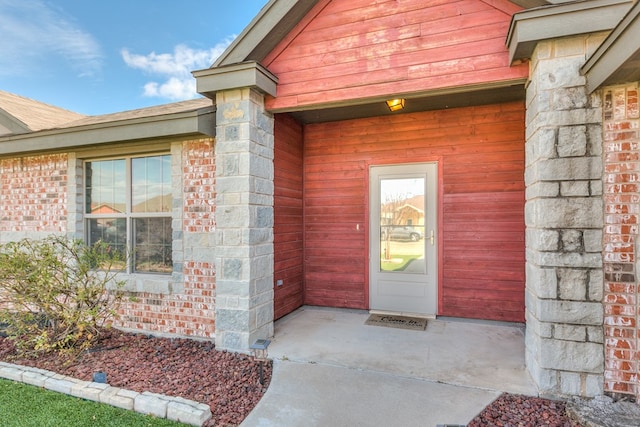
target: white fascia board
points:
(621, 47)
(568, 19)
(270, 24)
(201, 122)
(235, 76)
(13, 124)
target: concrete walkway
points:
(330, 369)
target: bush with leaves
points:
(56, 294)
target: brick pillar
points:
(622, 206)
(244, 219)
(563, 214)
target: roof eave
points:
(246, 74)
(12, 123)
(529, 27)
(274, 21)
(197, 122)
(265, 31)
(617, 59)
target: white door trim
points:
(413, 287)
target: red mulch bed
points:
(511, 410)
(227, 382)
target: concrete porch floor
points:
(332, 369)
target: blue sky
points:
(103, 56)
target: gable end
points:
(11, 125)
(276, 19)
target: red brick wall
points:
(33, 199)
(198, 179)
(189, 312)
(622, 203)
(33, 194)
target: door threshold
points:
(403, 313)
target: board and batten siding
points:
(480, 154)
(288, 225)
(345, 50)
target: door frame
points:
(439, 220)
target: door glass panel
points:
(402, 231)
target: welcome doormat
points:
(400, 322)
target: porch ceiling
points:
(441, 100)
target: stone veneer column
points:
(244, 219)
(564, 218)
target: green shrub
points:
(53, 293)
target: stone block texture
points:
(564, 217)
(244, 219)
(622, 206)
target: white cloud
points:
(32, 34)
(174, 88)
(174, 69)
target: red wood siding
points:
(481, 156)
(288, 226)
(354, 49)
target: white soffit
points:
(617, 60)
(562, 20)
(180, 125)
(246, 74)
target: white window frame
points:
(129, 216)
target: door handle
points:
(432, 237)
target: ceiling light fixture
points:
(395, 104)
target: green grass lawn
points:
(24, 405)
(399, 262)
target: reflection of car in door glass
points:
(401, 232)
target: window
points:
(128, 206)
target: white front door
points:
(402, 242)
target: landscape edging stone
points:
(182, 410)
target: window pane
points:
(118, 189)
(151, 184)
(106, 187)
(152, 251)
(112, 231)
(402, 207)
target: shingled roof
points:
(27, 126)
(22, 115)
(156, 110)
